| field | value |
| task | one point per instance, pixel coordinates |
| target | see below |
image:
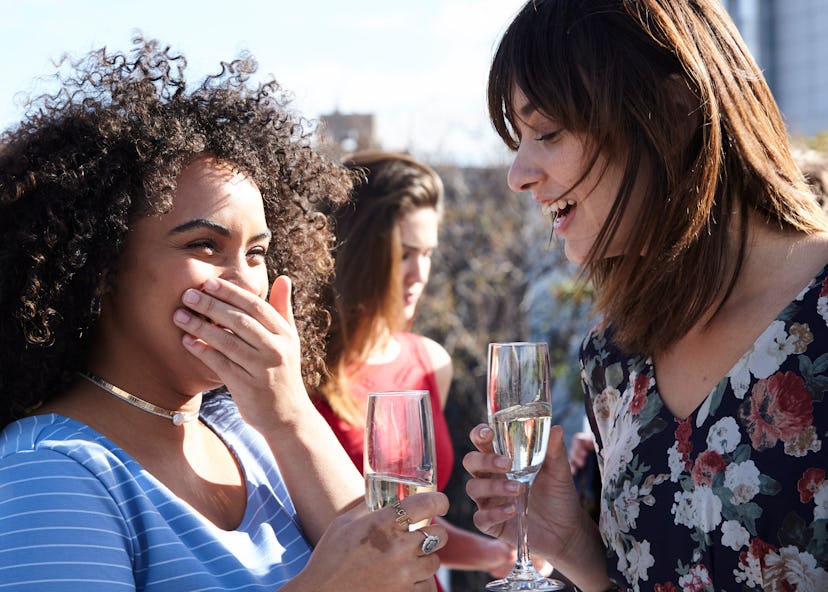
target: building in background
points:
(341, 133)
(789, 39)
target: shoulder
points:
(53, 447)
(436, 353)
(440, 362)
(603, 364)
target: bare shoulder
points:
(441, 363)
(436, 352)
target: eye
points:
(257, 253)
(548, 137)
(204, 245)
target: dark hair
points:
(106, 148)
(366, 299)
(612, 70)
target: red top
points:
(410, 370)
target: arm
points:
(60, 527)
(562, 532)
(468, 550)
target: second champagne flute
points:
(399, 458)
(519, 401)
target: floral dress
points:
(734, 497)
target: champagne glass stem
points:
(523, 560)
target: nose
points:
(246, 276)
(524, 174)
(416, 269)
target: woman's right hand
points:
(556, 519)
(364, 550)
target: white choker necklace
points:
(177, 417)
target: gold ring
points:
(402, 516)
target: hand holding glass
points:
(399, 457)
(519, 400)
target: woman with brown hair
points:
(385, 238)
(647, 133)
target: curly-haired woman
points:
(160, 243)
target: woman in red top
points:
(384, 241)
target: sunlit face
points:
(548, 162)
(418, 235)
(216, 229)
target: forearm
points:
(317, 471)
(468, 550)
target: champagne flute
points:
(398, 456)
(519, 401)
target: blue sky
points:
(419, 65)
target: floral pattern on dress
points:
(735, 496)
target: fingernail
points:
(191, 296)
(501, 462)
(486, 432)
(182, 316)
(211, 285)
(512, 486)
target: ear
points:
(684, 107)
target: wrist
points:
(584, 559)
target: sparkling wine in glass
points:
(399, 457)
(519, 400)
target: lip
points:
(409, 298)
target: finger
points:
(280, 298)
(493, 521)
(419, 507)
(485, 464)
(420, 536)
(220, 349)
(233, 308)
(485, 491)
(556, 469)
(482, 436)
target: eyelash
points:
(548, 137)
(201, 244)
(208, 244)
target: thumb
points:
(280, 298)
(556, 462)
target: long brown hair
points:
(612, 70)
(367, 297)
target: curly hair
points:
(107, 148)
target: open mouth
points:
(558, 210)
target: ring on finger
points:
(402, 516)
(430, 542)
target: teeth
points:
(552, 209)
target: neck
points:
(176, 416)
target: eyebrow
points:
(418, 248)
(526, 110)
(215, 227)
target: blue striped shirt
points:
(78, 513)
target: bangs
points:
(546, 53)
